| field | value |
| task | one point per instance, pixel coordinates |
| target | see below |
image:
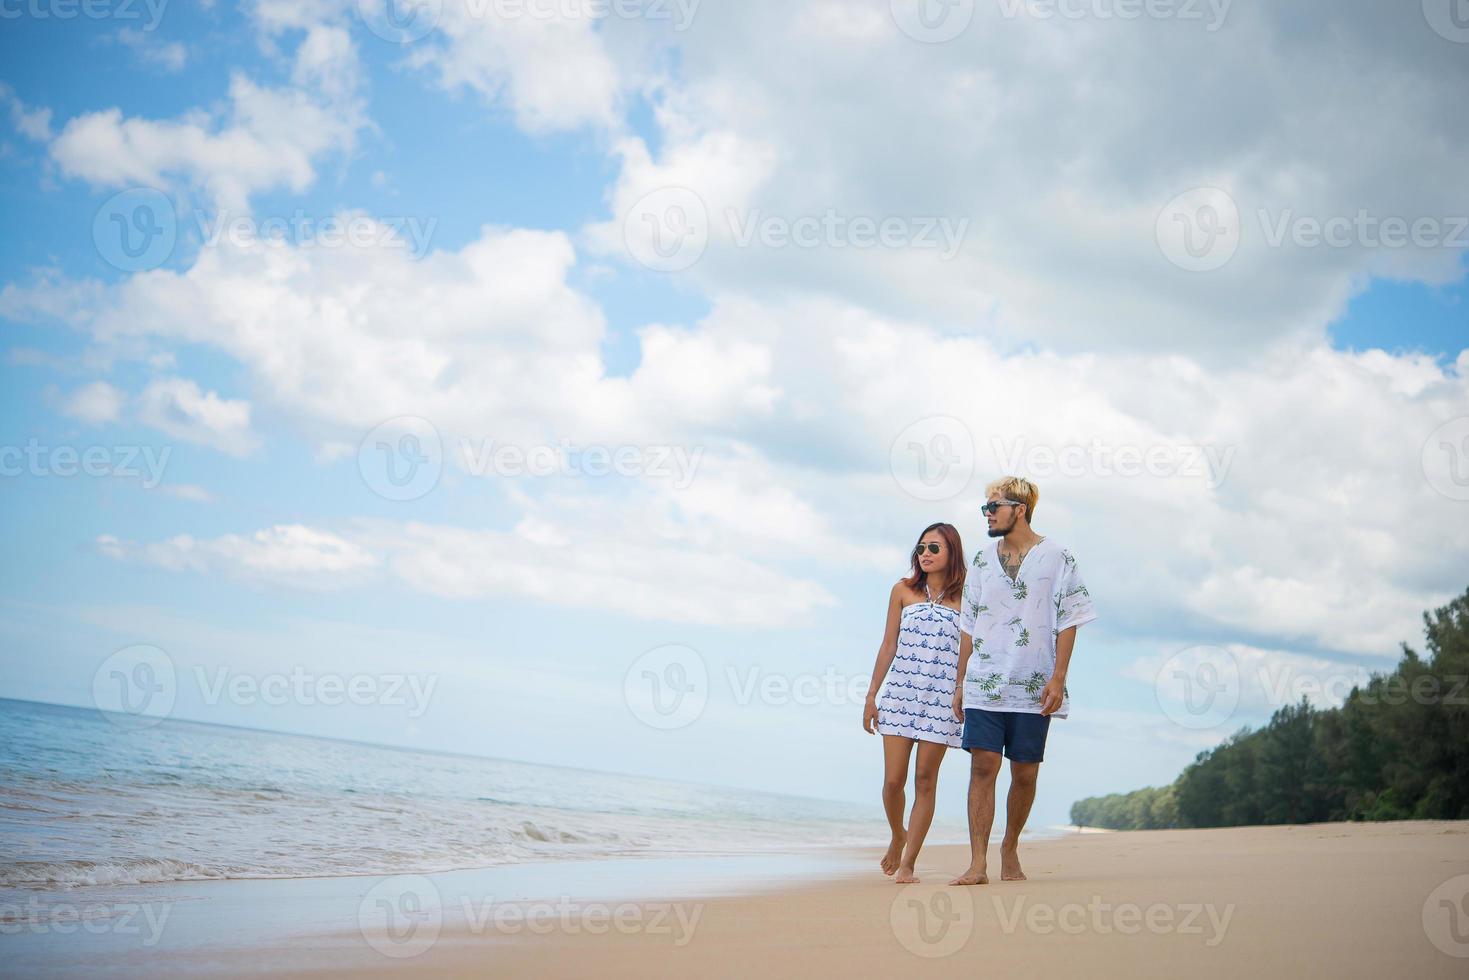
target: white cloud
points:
(1280, 494)
(586, 556)
(549, 68)
(178, 408)
(187, 491)
(171, 56)
(96, 403)
(268, 138)
(1061, 140)
(286, 554)
(33, 123)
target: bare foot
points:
(1010, 864)
(974, 876)
(894, 856)
(906, 875)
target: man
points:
(1023, 601)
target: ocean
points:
(85, 801)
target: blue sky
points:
(792, 370)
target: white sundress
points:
(918, 699)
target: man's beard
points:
(1000, 532)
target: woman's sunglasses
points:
(933, 548)
(994, 505)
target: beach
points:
(1351, 900)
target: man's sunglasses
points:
(932, 546)
(994, 505)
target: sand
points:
(1337, 900)
(1322, 900)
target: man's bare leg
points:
(895, 753)
(984, 767)
(1017, 810)
(925, 786)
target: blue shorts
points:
(1021, 735)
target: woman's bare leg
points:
(925, 785)
(895, 753)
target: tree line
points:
(1396, 749)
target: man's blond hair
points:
(1019, 489)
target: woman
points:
(921, 646)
